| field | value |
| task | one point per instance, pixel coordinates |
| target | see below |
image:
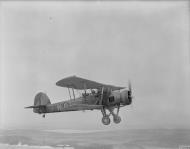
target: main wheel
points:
(106, 120)
(117, 119)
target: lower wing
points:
(79, 107)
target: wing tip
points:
(58, 83)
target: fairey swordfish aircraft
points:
(95, 96)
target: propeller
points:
(130, 91)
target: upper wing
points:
(80, 83)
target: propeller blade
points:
(129, 86)
(130, 90)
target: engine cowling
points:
(117, 97)
(125, 97)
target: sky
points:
(108, 42)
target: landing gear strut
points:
(116, 117)
(105, 119)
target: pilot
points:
(98, 92)
(85, 94)
(93, 92)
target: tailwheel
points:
(106, 120)
(116, 119)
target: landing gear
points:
(116, 117)
(43, 115)
(105, 119)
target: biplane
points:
(94, 96)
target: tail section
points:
(40, 102)
(41, 99)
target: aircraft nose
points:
(129, 97)
(126, 97)
(129, 93)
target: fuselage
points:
(73, 104)
(79, 103)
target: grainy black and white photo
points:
(95, 74)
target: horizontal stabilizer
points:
(39, 106)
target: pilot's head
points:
(93, 92)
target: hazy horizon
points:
(118, 139)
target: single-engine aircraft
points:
(101, 97)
